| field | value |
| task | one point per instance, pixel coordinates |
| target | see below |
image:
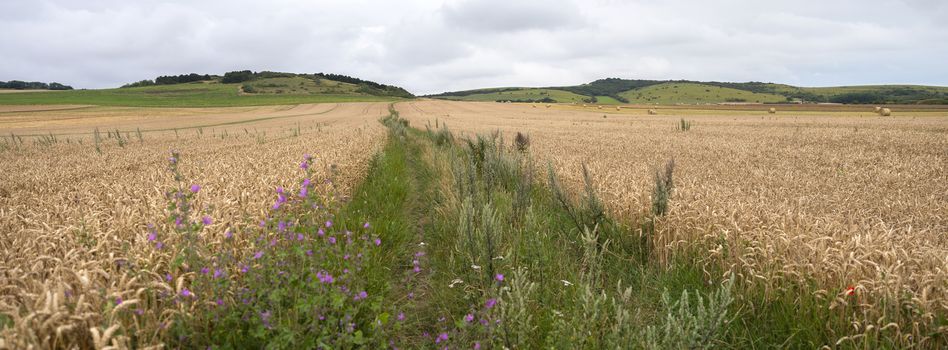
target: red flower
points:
(850, 290)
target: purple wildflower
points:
(118, 301)
(332, 240)
(220, 302)
(152, 237)
(324, 277)
(469, 318)
(307, 156)
(244, 269)
(328, 223)
(365, 225)
(401, 316)
(490, 303)
(265, 318)
(258, 255)
(207, 220)
(218, 273)
(499, 277)
(299, 236)
(309, 252)
(441, 337)
(186, 293)
(304, 192)
(168, 277)
(159, 245)
(205, 270)
(304, 165)
(228, 234)
(306, 182)
(477, 345)
(321, 233)
(195, 188)
(378, 242)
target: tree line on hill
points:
(170, 79)
(241, 76)
(32, 85)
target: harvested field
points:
(826, 198)
(72, 218)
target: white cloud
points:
(433, 45)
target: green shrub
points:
(661, 193)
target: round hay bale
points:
(599, 107)
(548, 105)
(617, 108)
(772, 110)
(652, 112)
(584, 105)
(878, 109)
(886, 112)
(534, 106)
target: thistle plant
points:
(301, 275)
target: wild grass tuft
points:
(684, 125)
(661, 193)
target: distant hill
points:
(616, 91)
(32, 85)
(240, 88)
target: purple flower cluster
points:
(284, 254)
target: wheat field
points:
(828, 199)
(75, 212)
(848, 202)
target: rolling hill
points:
(262, 88)
(616, 91)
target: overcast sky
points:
(430, 46)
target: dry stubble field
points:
(836, 198)
(71, 217)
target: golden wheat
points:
(73, 221)
(807, 196)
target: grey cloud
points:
(436, 45)
(507, 15)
